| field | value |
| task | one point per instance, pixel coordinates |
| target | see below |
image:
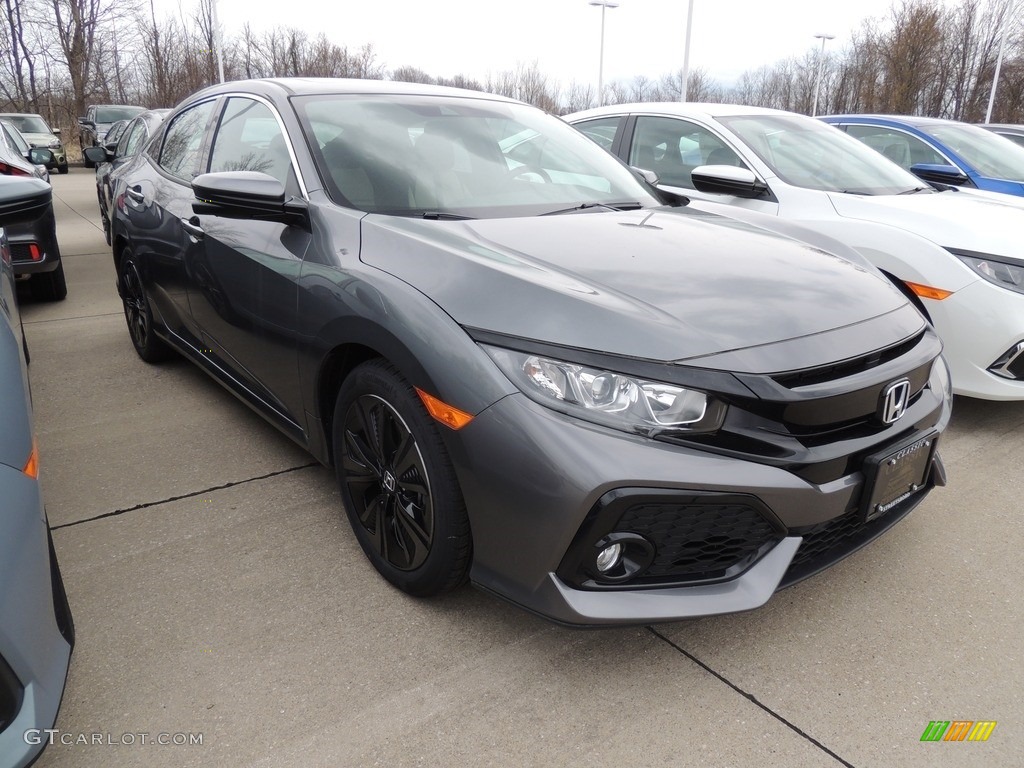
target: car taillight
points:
(11, 170)
(34, 252)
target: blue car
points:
(36, 629)
(942, 151)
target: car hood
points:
(667, 285)
(948, 219)
(40, 139)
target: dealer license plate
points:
(896, 476)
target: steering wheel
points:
(522, 170)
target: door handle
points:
(135, 193)
(192, 227)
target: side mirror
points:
(97, 155)
(247, 195)
(728, 180)
(935, 173)
(83, 121)
(56, 131)
(40, 156)
(23, 199)
(651, 180)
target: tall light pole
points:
(217, 44)
(999, 65)
(821, 66)
(686, 53)
(605, 4)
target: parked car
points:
(957, 257)
(114, 133)
(98, 119)
(32, 244)
(16, 154)
(526, 370)
(35, 130)
(109, 158)
(36, 627)
(1014, 133)
(941, 151)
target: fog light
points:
(608, 557)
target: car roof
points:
(302, 86)
(679, 109)
(904, 119)
(21, 114)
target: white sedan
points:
(958, 256)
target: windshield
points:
(28, 123)
(991, 154)
(113, 114)
(807, 153)
(459, 157)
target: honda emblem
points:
(895, 400)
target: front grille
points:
(699, 542)
(812, 376)
(11, 693)
(828, 543)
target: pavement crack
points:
(118, 512)
(752, 699)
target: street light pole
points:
(821, 65)
(217, 44)
(686, 54)
(999, 65)
(605, 4)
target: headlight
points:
(55, 144)
(1004, 271)
(616, 400)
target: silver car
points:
(36, 628)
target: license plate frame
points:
(896, 474)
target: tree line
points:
(922, 58)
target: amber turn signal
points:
(32, 465)
(927, 292)
(448, 415)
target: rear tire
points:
(138, 315)
(397, 483)
(50, 286)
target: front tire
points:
(62, 169)
(137, 313)
(397, 483)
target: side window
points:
(672, 148)
(601, 130)
(183, 142)
(249, 138)
(122, 143)
(902, 148)
(131, 140)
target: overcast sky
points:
(642, 37)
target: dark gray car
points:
(36, 629)
(525, 369)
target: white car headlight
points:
(617, 400)
(1004, 271)
(55, 144)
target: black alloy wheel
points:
(397, 483)
(138, 315)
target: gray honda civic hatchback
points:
(526, 370)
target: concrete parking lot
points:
(219, 596)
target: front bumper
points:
(978, 325)
(534, 479)
(35, 626)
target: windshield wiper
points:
(915, 190)
(630, 205)
(436, 215)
